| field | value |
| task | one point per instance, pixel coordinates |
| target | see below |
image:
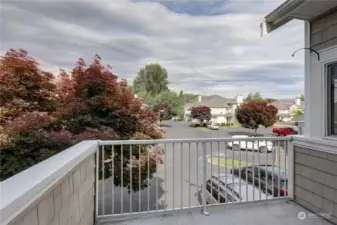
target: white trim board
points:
(322, 145)
(315, 93)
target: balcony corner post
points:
(96, 181)
(291, 171)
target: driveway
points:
(178, 180)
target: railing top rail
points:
(192, 140)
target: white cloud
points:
(220, 54)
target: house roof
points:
(295, 9)
(283, 104)
(213, 101)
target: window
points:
(332, 99)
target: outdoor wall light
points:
(312, 50)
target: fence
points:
(157, 176)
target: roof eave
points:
(279, 16)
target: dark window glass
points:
(332, 99)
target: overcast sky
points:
(207, 46)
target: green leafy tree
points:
(147, 99)
(190, 98)
(253, 114)
(254, 97)
(172, 99)
(302, 98)
(297, 112)
(270, 100)
(151, 79)
(182, 103)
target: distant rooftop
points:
(214, 101)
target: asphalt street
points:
(178, 179)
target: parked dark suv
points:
(270, 178)
(227, 188)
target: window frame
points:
(329, 121)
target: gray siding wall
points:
(70, 202)
(316, 181)
(324, 31)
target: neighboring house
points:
(315, 153)
(222, 109)
(286, 107)
(299, 120)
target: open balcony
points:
(193, 181)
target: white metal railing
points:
(189, 173)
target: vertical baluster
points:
(97, 179)
(285, 147)
(240, 170)
(266, 173)
(253, 168)
(226, 169)
(173, 196)
(189, 175)
(218, 171)
(148, 180)
(112, 180)
(181, 176)
(232, 164)
(165, 179)
(139, 177)
(211, 168)
(122, 183)
(246, 172)
(197, 145)
(279, 168)
(103, 184)
(272, 178)
(130, 178)
(157, 157)
(204, 170)
(259, 165)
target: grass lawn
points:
(164, 125)
(235, 125)
(229, 162)
(204, 129)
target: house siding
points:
(315, 181)
(324, 31)
(71, 201)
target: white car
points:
(261, 146)
(213, 126)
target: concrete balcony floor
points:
(282, 212)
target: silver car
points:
(225, 188)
